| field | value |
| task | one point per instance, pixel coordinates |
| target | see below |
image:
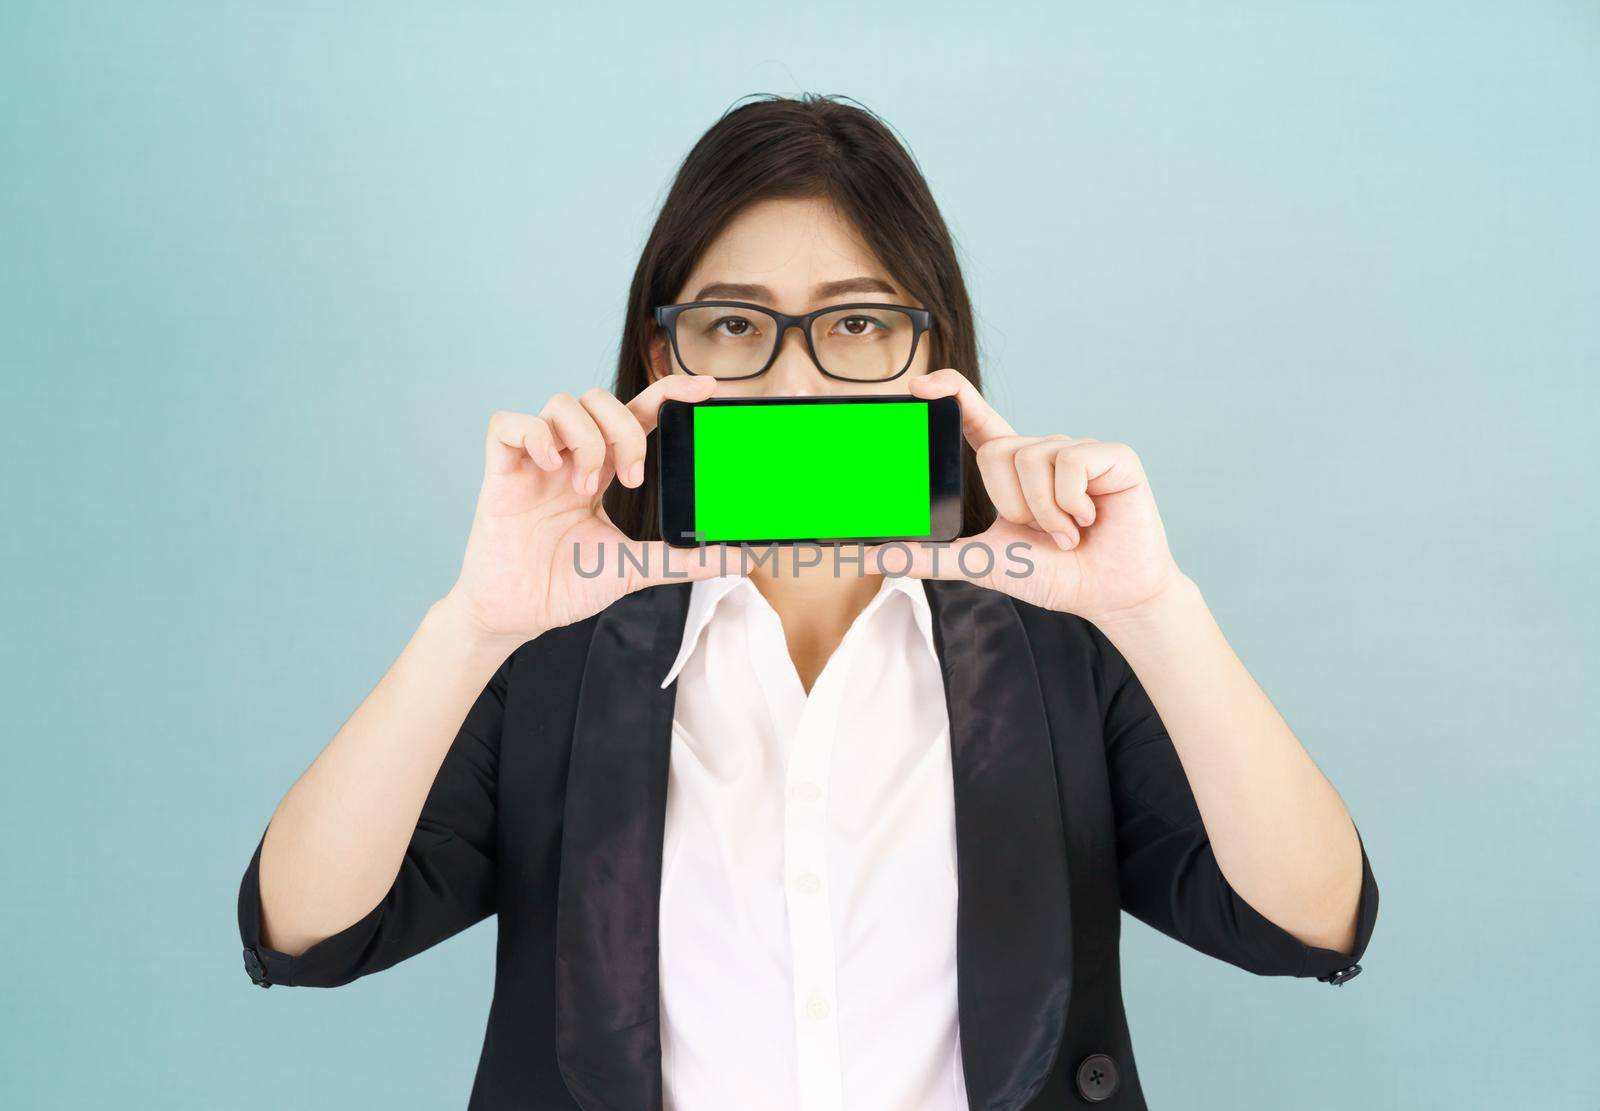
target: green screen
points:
(789, 472)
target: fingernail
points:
(1081, 522)
(1063, 541)
(592, 483)
(636, 473)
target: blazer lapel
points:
(1014, 925)
(1013, 929)
(608, 1037)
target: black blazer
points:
(1070, 807)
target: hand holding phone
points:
(540, 521)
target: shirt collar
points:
(705, 594)
(920, 610)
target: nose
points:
(792, 373)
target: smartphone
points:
(782, 470)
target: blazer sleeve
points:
(446, 880)
(1167, 872)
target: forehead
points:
(790, 245)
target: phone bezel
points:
(675, 468)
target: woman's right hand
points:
(539, 512)
(336, 843)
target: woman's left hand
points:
(1084, 508)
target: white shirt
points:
(808, 890)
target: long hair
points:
(811, 146)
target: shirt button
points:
(808, 792)
(809, 882)
(817, 1008)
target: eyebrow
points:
(737, 291)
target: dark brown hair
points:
(811, 146)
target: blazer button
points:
(257, 971)
(1344, 975)
(1097, 1078)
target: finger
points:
(979, 421)
(1036, 473)
(576, 431)
(656, 563)
(1067, 537)
(676, 387)
(1072, 484)
(976, 559)
(1108, 468)
(513, 437)
(1000, 479)
(621, 431)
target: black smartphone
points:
(782, 470)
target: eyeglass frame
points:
(666, 317)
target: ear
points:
(659, 364)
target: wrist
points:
(1171, 607)
(452, 620)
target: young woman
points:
(802, 834)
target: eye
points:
(736, 327)
(861, 327)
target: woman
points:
(743, 824)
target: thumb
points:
(987, 559)
(930, 559)
(646, 563)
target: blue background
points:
(266, 270)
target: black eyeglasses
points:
(729, 340)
